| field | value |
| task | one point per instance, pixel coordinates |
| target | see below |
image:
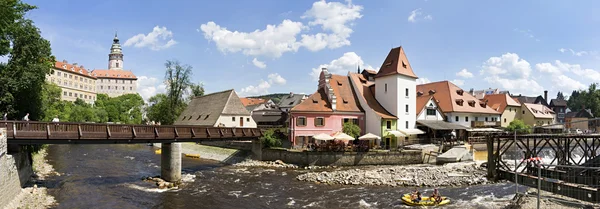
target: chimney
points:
(291, 94)
(546, 95)
(65, 61)
(75, 64)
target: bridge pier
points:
(257, 147)
(170, 162)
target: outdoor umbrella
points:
(369, 136)
(323, 137)
(342, 136)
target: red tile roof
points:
(119, 74)
(451, 100)
(319, 102)
(252, 101)
(364, 91)
(499, 102)
(396, 63)
(77, 69)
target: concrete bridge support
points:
(170, 162)
(257, 147)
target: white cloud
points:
(261, 88)
(259, 64)
(159, 38)
(275, 40)
(422, 81)
(577, 53)
(511, 73)
(275, 78)
(527, 33)
(150, 86)
(333, 17)
(458, 82)
(349, 62)
(464, 73)
(416, 14)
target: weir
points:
(570, 170)
(27, 132)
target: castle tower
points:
(115, 58)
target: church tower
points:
(115, 58)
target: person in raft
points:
(416, 196)
(436, 196)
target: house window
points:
(476, 118)
(58, 73)
(406, 108)
(406, 124)
(431, 112)
(355, 121)
(406, 92)
(386, 88)
(101, 87)
(485, 118)
(388, 124)
(117, 64)
(65, 93)
(70, 94)
(247, 119)
(301, 121)
(456, 118)
(505, 120)
(319, 121)
(346, 120)
(523, 111)
(232, 118)
(75, 94)
(130, 88)
(466, 118)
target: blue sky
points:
(273, 46)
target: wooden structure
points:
(27, 132)
(573, 170)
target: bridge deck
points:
(22, 132)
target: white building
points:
(222, 109)
(395, 89)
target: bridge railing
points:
(33, 130)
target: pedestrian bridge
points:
(29, 132)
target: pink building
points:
(326, 110)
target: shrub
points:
(270, 138)
(519, 126)
(351, 129)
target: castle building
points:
(77, 82)
(115, 81)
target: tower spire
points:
(115, 58)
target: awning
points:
(554, 126)
(396, 133)
(411, 131)
(369, 136)
(441, 125)
(323, 137)
(483, 130)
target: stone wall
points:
(305, 158)
(15, 170)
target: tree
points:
(197, 90)
(560, 96)
(177, 77)
(519, 126)
(351, 129)
(29, 61)
(585, 99)
(270, 139)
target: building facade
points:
(504, 104)
(325, 111)
(219, 109)
(115, 81)
(74, 80)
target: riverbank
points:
(224, 155)
(453, 175)
(35, 194)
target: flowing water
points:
(109, 176)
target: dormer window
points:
(460, 92)
(119, 75)
(389, 63)
(339, 83)
(106, 74)
(362, 80)
(431, 92)
(419, 93)
(403, 64)
(345, 101)
(72, 69)
(472, 103)
(315, 101)
(459, 102)
(482, 104)
(64, 66)
(80, 71)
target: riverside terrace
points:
(27, 132)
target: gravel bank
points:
(276, 164)
(35, 194)
(455, 174)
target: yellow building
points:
(74, 80)
(537, 115)
(504, 104)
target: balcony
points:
(481, 124)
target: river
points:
(109, 176)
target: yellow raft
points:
(424, 201)
(158, 151)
